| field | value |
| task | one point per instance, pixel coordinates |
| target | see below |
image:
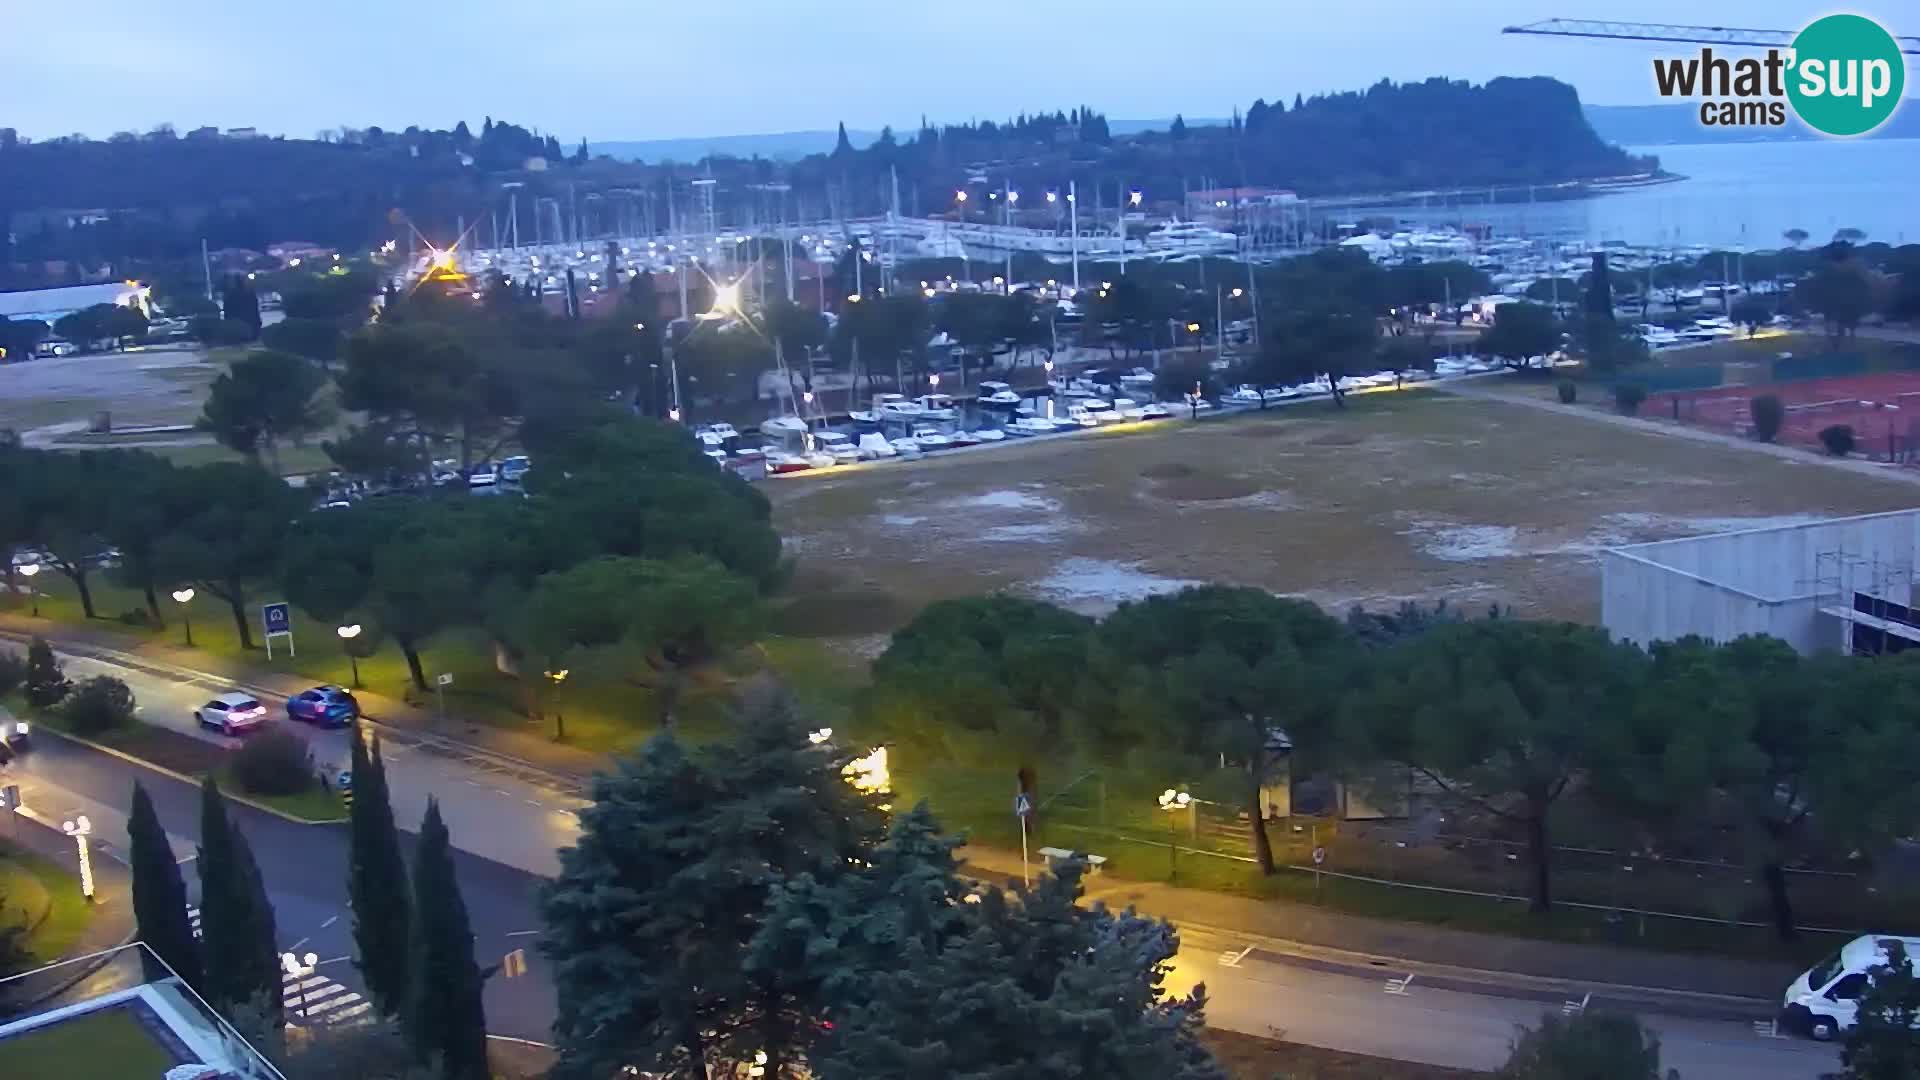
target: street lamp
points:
(80, 828)
(297, 969)
(559, 721)
(348, 633)
(1173, 802)
(184, 597)
(27, 572)
(820, 736)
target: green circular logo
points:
(1847, 75)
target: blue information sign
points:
(278, 617)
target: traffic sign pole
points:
(1023, 806)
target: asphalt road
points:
(305, 869)
(501, 815)
(1261, 992)
(507, 845)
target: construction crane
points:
(1706, 35)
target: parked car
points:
(329, 706)
(515, 468)
(483, 475)
(232, 713)
(18, 736)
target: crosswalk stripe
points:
(324, 1007)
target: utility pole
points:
(206, 267)
(1073, 222)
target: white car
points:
(232, 713)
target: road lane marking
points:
(1576, 1008)
(1768, 1029)
(523, 933)
(1398, 986)
(1231, 958)
(331, 919)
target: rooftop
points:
(128, 1027)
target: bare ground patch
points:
(1403, 496)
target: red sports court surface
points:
(1882, 408)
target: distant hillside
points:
(1665, 125)
(792, 145)
(779, 146)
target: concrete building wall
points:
(1760, 581)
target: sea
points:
(1735, 195)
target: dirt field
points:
(1883, 408)
(52, 398)
(1402, 496)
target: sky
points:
(647, 69)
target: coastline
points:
(1505, 195)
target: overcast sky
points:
(643, 69)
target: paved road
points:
(503, 815)
(1265, 993)
(305, 868)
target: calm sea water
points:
(1734, 194)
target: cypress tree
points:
(159, 892)
(445, 1019)
(236, 920)
(377, 882)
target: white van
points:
(1825, 1000)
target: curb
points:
(185, 779)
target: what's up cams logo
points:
(1843, 75)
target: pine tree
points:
(159, 893)
(842, 146)
(46, 682)
(1178, 129)
(827, 936)
(236, 919)
(651, 923)
(377, 886)
(1881, 1046)
(445, 1019)
(1020, 994)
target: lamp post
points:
(80, 828)
(28, 571)
(559, 721)
(298, 968)
(184, 597)
(1173, 802)
(347, 634)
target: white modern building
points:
(1844, 584)
(48, 305)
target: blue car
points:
(329, 706)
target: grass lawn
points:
(1249, 1058)
(45, 888)
(106, 1045)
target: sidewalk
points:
(1365, 939)
(1358, 937)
